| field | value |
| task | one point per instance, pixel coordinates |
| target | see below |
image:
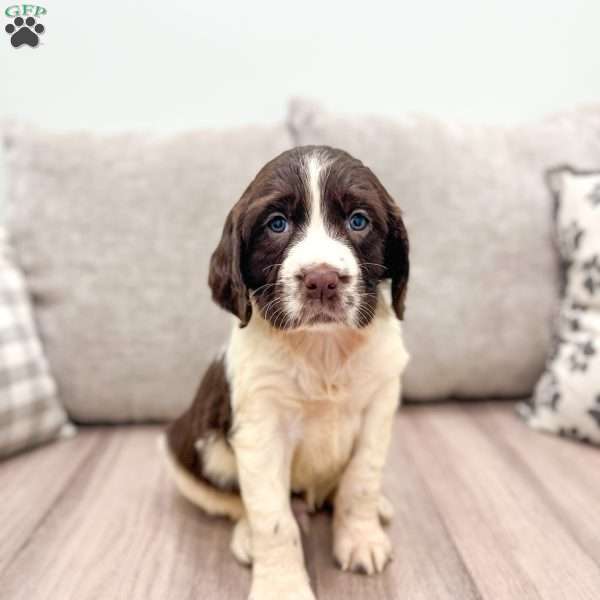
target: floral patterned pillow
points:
(567, 397)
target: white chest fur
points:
(324, 439)
(318, 383)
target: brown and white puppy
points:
(313, 262)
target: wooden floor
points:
(485, 509)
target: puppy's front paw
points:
(361, 546)
(281, 587)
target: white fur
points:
(218, 462)
(317, 245)
(312, 413)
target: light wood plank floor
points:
(485, 509)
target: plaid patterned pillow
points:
(29, 410)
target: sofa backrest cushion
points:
(114, 234)
(484, 271)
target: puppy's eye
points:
(358, 221)
(277, 224)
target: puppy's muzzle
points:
(322, 289)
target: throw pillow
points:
(567, 397)
(30, 412)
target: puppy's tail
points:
(210, 499)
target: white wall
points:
(192, 62)
(177, 63)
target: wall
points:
(176, 64)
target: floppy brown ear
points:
(396, 257)
(225, 275)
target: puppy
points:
(313, 263)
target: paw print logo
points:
(24, 31)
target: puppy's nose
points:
(321, 283)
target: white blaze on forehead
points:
(315, 168)
(317, 244)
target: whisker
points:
(272, 305)
(262, 287)
(373, 264)
(272, 266)
(277, 312)
(280, 313)
(363, 293)
(365, 313)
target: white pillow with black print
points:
(30, 412)
(567, 397)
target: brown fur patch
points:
(210, 413)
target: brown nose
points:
(321, 283)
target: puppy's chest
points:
(323, 433)
(324, 398)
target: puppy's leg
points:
(360, 544)
(263, 453)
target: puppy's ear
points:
(396, 257)
(225, 276)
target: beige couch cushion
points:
(484, 272)
(114, 234)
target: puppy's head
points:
(308, 243)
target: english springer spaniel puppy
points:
(313, 263)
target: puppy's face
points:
(308, 243)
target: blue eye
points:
(278, 224)
(358, 221)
